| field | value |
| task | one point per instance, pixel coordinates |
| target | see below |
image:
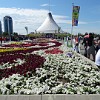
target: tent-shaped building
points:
(49, 26)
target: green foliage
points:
(35, 35)
(5, 34)
(15, 34)
(61, 35)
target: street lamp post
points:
(26, 29)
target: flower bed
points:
(61, 73)
(20, 64)
(8, 57)
(30, 46)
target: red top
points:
(76, 39)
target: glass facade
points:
(0, 28)
(8, 24)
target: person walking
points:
(76, 44)
(97, 46)
(91, 47)
(85, 43)
(97, 59)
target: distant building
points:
(0, 28)
(8, 24)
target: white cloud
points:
(81, 22)
(45, 5)
(95, 22)
(32, 18)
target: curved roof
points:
(49, 25)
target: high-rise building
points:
(0, 28)
(8, 24)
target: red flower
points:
(32, 62)
(54, 51)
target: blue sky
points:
(32, 13)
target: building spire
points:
(49, 6)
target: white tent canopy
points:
(49, 26)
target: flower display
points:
(12, 64)
(29, 45)
(60, 73)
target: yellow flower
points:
(16, 42)
(11, 49)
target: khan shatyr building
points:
(49, 26)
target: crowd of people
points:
(91, 47)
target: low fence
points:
(50, 97)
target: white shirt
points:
(97, 59)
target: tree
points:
(5, 34)
(15, 36)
